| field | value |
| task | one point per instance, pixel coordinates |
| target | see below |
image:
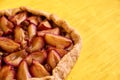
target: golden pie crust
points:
(65, 65)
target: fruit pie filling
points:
(30, 46)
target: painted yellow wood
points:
(98, 22)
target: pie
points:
(35, 45)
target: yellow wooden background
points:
(98, 22)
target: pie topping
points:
(30, 46)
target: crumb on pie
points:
(35, 45)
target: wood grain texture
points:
(98, 22)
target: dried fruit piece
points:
(4, 25)
(10, 25)
(39, 56)
(23, 72)
(31, 31)
(57, 41)
(37, 44)
(20, 36)
(44, 25)
(52, 31)
(60, 51)
(19, 18)
(34, 20)
(15, 58)
(38, 70)
(8, 44)
(7, 73)
(53, 58)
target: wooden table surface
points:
(98, 22)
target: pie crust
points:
(65, 65)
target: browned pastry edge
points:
(65, 65)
